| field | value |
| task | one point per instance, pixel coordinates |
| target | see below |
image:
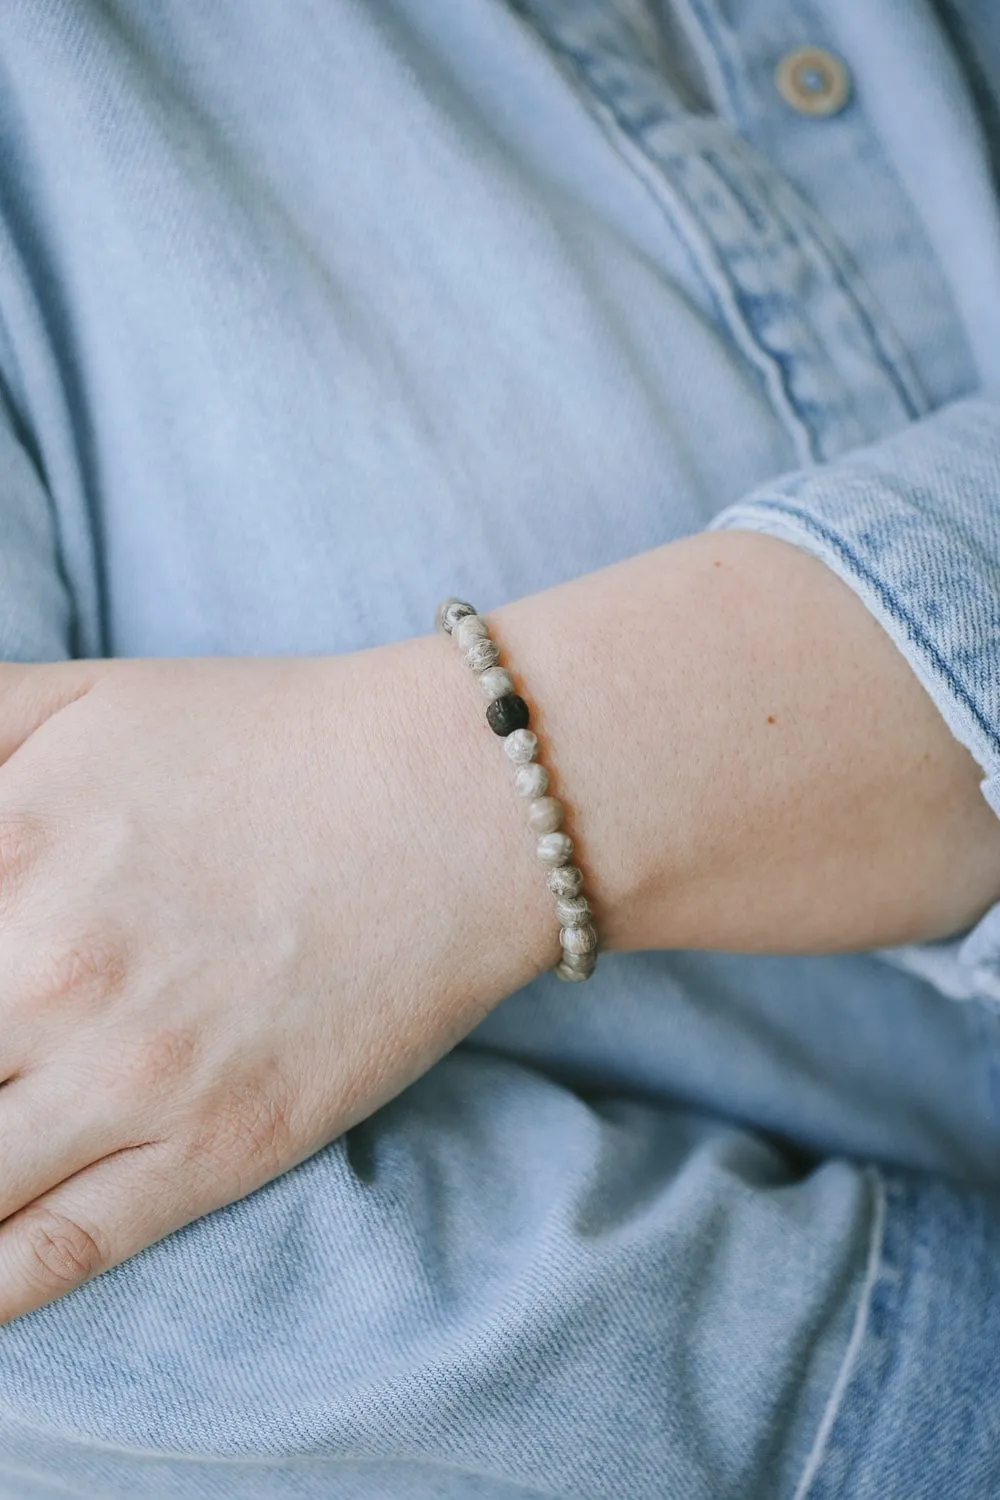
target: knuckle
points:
(23, 840)
(252, 1133)
(90, 963)
(159, 1059)
(59, 1252)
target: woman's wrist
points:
(746, 761)
(752, 763)
(462, 860)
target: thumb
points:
(32, 692)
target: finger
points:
(48, 1135)
(91, 1222)
(31, 693)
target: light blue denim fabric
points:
(311, 313)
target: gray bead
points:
(496, 682)
(545, 815)
(576, 966)
(574, 976)
(531, 781)
(579, 939)
(482, 654)
(565, 881)
(450, 611)
(521, 746)
(573, 911)
(554, 849)
(470, 628)
(584, 963)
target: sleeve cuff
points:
(912, 525)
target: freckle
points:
(771, 719)
(716, 565)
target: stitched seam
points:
(683, 218)
(728, 75)
(775, 368)
(896, 363)
(854, 1344)
(807, 227)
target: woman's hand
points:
(237, 913)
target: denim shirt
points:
(313, 314)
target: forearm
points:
(748, 761)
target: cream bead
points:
(470, 628)
(573, 911)
(521, 746)
(496, 682)
(531, 781)
(545, 814)
(554, 849)
(577, 966)
(482, 654)
(450, 611)
(565, 881)
(584, 961)
(579, 939)
(574, 976)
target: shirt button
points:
(813, 81)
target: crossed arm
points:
(245, 902)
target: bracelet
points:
(507, 715)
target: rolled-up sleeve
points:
(912, 525)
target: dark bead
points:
(506, 714)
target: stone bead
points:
(583, 962)
(507, 714)
(573, 911)
(554, 849)
(450, 611)
(531, 781)
(545, 814)
(576, 966)
(496, 682)
(482, 654)
(567, 880)
(575, 976)
(521, 746)
(470, 628)
(579, 939)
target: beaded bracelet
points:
(507, 715)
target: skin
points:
(245, 902)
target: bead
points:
(554, 849)
(496, 682)
(575, 976)
(545, 814)
(507, 714)
(521, 746)
(482, 654)
(583, 962)
(567, 880)
(579, 939)
(531, 780)
(572, 911)
(576, 966)
(450, 611)
(470, 628)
